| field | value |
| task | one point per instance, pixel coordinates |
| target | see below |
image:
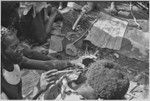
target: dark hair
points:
(5, 33)
(108, 81)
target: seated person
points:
(13, 61)
(103, 79)
(37, 25)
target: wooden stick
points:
(85, 32)
(78, 19)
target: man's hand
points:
(88, 7)
(47, 79)
(77, 63)
(50, 19)
(59, 64)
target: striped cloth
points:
(107, 32)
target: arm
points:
(51, 20)
(44, 65)
(36, 55)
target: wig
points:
(107, 80)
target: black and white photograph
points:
(74, 50)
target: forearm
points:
(34, 64)
(59, 64)
(44, 65)
(36, 55)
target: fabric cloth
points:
(14, 76)
(3, 96)
(12, 86)
(107, 32)
(136, 42)
(30, 78)
(56, 43)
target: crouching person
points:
(102, 80)
(13, 61)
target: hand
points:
(48, 78)
(54, 11)
(87, 7)
(78, 63)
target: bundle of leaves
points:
(107, 80)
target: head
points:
(104, 80)
(57, 25)
(10, 46)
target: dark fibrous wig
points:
(107, 79)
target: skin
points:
(33, 54)
(50, 19)
(84, 90)
(47, 79)
(88, 7)
(14, 50)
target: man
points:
(103, 80)
(13, 61)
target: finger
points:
(50, 77)
(60, 79)
(51, 71)
(50, 84)
(62, 72)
